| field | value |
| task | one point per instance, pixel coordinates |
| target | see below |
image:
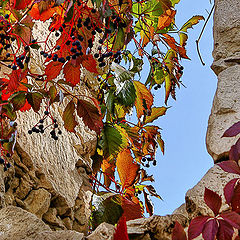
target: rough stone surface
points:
(59, 235)
(225, 112)
(103, 232)
(215, 179)
(225, 109)
(18, 224)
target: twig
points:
(200, 36)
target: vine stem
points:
(201, 33)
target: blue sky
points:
(184, 127)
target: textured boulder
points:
(225, 109)
(59, 235)
(215, 179)
(18, 224)
(103, 232)
(225, 112)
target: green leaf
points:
(106, 209)
(127, 94)
(52, 93)
(35, 99)
(90, 115)
(119, 40)
(9, 112)
(18, 101)
(112, 140)
(68, 117)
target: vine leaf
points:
(178, 232)
(72, 72)
(109, 170)
(132, 209)
(90, 114)
(144, 99)
(210, 229)
(113, 140)
(168, 86)
(155, 114)
(52, 93)
(127, 93)
(166, 19)
(121, 230)
(127, 169)
(35, 99)
(18, 100)
(89, 63)
(192, 21)
(232, 218)
(230, 167)
(213, 200)
(148, 203)
(68, 117)
(229, 190)
(225, 230)
(233, 131)
(53, 70)
(21, 4)
(196, 226)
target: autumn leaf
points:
(68, 117)
(18, 100)
(213, 200)
(72, 72)
(89, 63)
(127, 168)
(35, 100)
(155, 114)
(20, 4)
(225, 230)
(233, 131)
(166, 19)
(90, 115)
(196, 226)
(121, 230)
(53, 70)
(168, 85)
(144, 99)
(210, 229)
(192, 21)
(148, 203)
(131, 209)
(178, 232)
(44, 10)
(108, 170)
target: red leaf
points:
(90, 115)
(72, 73)
(14, 79)
(178, 232)
(225, 230)
(121, 230)
(233, 130)
(233, 153)
(232, 218)
(131, 209)
(196, 226)
(235, 202)
(89, 63)
(21, 4)
(213, 200)
(210, 229)
(230, 166)
(53, 70)
(229, 190)
(68, 117)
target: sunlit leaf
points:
(155, 114)
(192, 21)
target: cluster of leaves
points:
(221, 226)
(93, 36)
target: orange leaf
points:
(89, 63)
(126, 168)
(166, 19)
(44, 10)
(144, 99)
(72, 72)
(53, 70)
(109, 170)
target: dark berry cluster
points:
(147, 160)
(39, 127)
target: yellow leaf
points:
(168, 86)
(144, 99)
(127, 168)
(183, 39)
(156, 112)
(192, 21)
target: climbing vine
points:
(93, 36)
